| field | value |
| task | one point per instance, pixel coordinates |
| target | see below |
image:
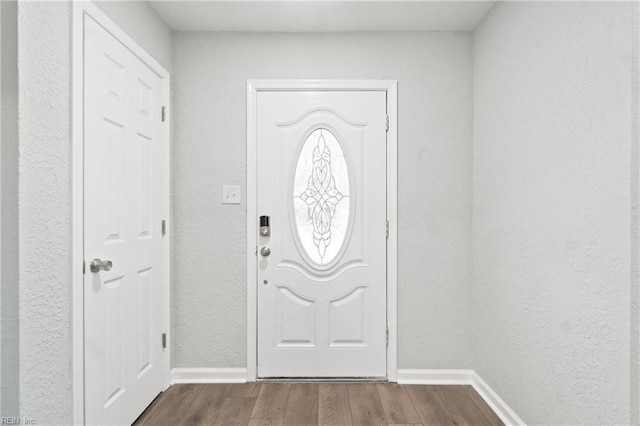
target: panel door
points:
(322, 270)
(122, 223)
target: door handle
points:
(98, 265)
(265, 251)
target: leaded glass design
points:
(321, 196)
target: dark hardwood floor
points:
(298, 404)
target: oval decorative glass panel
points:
(321, 196)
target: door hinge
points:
(387, 336)
(164, 340)
(387, 123)
(164, 113)
(84, 266)
(164, 227)
(387, 229)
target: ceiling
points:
(321, 16)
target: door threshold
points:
(324, 379)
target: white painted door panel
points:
(322, 181)
(123, 200)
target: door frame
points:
(79, 10)
(391, 88)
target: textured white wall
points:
(9, 359)
(551, 209)
(45, 213)
(635, 223)
(209, 149)
(44, 203)
(1, 333)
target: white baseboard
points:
(462, 377)
(208, 375)
(497, 404)
(435, 377)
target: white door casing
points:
(124, 202)
(320, 176)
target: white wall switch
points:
(230, 194)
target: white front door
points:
(321, 180)
(123, 199)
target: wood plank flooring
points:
(301, 404)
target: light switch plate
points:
(230, 194)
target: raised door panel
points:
(295, 319)
(113, 180)
(348, 319)
(144, 308)
(143, 199)
(114, 323)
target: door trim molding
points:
(391, 88)
(80, 9)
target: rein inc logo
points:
(17, 421)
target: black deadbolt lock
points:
(265, 230)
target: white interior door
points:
(321, 179)
(123, 199)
